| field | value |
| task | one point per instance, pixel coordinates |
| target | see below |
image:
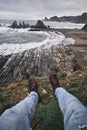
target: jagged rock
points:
(20, 25)
(14, 24)
(39, 26)
(46, 19)
(25, 25)
(85, 27)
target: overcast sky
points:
(38, 9)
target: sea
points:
(18, 40)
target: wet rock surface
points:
(38, 62)
(3, 60)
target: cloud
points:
(35, 9)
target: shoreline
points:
(78, 35)
(79, 49)
(42, 62)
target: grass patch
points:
(78, 92)
(48, 117)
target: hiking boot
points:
(54, 81)
(33, 85)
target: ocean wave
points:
(4, 29)
(51, 38)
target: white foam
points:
(63, 25)
(52, 38)
(4, 29)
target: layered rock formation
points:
(3, 60)
(38, 62)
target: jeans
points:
(20, 116)
(74, 113)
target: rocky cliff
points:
(40, 61)
(74, 19)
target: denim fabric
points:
(75, 114)
(19, 116)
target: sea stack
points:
(39, 26)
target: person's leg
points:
(75, 114)
(20, 116)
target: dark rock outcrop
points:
(39, 26)
(74, 19)
(20, 25)
(14, 24)
(46, 19)
(85, 27)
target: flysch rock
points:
(38, 62)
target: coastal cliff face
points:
(74, 19)
(37, 62)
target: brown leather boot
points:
(33, 85)
(54, 81)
